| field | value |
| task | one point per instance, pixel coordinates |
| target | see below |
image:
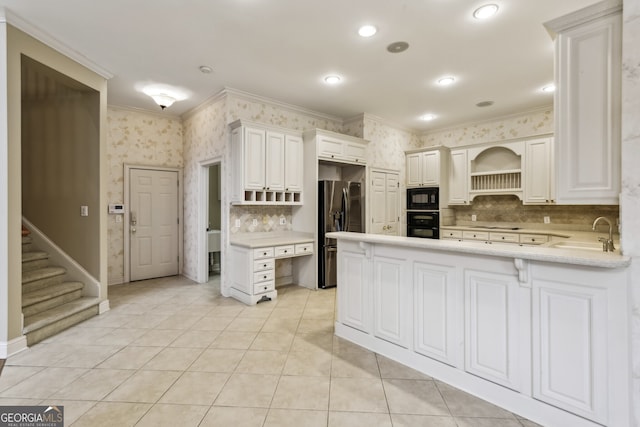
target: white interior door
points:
(153, 223)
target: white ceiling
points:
(282, 49)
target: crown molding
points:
(16, 21)
(206, 103)
(589, 13)
(160, 115)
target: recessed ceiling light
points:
(205, 69)
(398, 47)
(549, 88)
(332, 79)
(486, 11)
(484, 104)
(446, 81)
(367, 30)
(427, 117)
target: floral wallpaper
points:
(138, 139)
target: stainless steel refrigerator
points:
(341, 208)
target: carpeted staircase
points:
(50, 303)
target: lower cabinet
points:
(353, 300)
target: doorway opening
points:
(214, 222)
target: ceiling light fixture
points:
(162, 94)
(446, 81)
(398, 47)
(367, 31)
(484, 104)
(163, 100)
(332, 79)
(205, 69)
(427, 117)
(549, 88)
(486, 11)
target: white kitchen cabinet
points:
(267, 163)
(539, 172)
(588, 51)
(392, 297)
(436, 301)
(491, 326)
(458, 178)
(354, 306)
(385, 202)
(423, 168)
(340, 148)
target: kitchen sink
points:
(588, 246)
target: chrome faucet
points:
(607, 244)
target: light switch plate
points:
(238, 223)
(473, 217)
(283, 221)
(84, 210)
(255, 222)
(547, 220)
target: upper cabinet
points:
(267, 164)
(539, 182)
(427, 168)
(459, 178)
(340, 148)
(588, 104)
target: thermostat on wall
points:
(116, 209)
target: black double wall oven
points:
(423, 215)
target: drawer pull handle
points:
(264, 277)
(285, 251)
(264, 265)
(502, 237)
(264, 253)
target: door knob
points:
(133, 229)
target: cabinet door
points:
(458, 178)
(354, 152)
(330, 148)
(254, 155)
(414, 170)
(293, 163)
(392, 203)
(588, 101)
(274, 167)
(538, 171)
(353, 288)
(431, 168)
(391, 299)
(570, 347)
(491, 327)
(436, 297)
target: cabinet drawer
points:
(533, 239)
(354, 151)
(284, 251)
(262, 253)
(263, 287)
(475, 235)
(451, 234)
(263, 276)
(304, 248)
(261, 265)
(504, 237)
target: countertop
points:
(279, 238)
(535, 253)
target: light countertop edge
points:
(263, 239)
(534, 253)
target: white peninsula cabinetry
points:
(588, 52)
(267, 163)
(542, 335)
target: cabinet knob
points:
(502, 237)
(264, 253)
(264, 277)
(332, 156)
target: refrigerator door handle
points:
(345, 204)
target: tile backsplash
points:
(267, 218)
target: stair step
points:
(26, 244)
(49, 297)
(52, 321)
(33, 260)
(42, 277)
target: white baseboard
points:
(15, 346)
(103, 307)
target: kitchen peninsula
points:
(538, 330)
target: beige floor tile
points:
(272, 341)
(87, 356)
(146, 321)
(166, 415)
(41, 354)
(130, 357)
(73, 409)
(195, 388)
(302, 393)
(281, 325)
(108, 320)
(178, 321)
(12, 375)
(315, 326)
(308, 363)
(527, 423)
(220, 416)
(173, 359)
(44, 383)
(343, 347)
(78, 336)
(94, 385)
(392, 369)
(262, 362)
(195, 339)
(227, 311)
(18, 401)
(246, 324)
(355, 365)
(288, 312)
(217, 360)
(234, 340)
(144, 387)
(357, 395)
(319, 312)
(212, 323)
(487, 422)
(259, 310)
(462, 404)
(351, 419)
(403, 420)
(313, 342)
(418, 397)
(157, 337)
(248, 390)
(109, 414)
(121, 336)
(295, 418)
